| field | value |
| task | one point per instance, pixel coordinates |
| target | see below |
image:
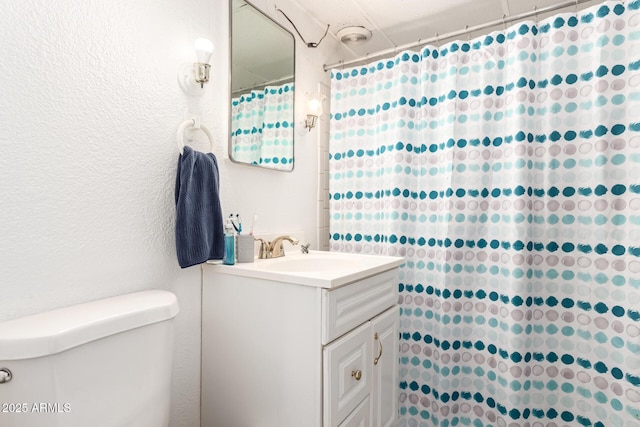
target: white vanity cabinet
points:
(359, 373)
(281, 354)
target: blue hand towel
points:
(199, 228)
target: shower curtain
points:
(506, 170)
(262, 127)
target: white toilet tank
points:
(105, 363)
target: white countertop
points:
(317, 268)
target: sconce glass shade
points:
(202, 73)
(311, 121)
(314, 109)
(204, 49)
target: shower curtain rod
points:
(505, 20)
(262, 85)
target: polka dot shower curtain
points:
(261, 127)
(506, 170)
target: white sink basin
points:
(311, 263)
(317, 268)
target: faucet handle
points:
(305, 248)
(264, 248)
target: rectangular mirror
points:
(262, 89)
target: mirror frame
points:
(230, 89)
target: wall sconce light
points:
(193, 75)
(314, 109)
(204, 49)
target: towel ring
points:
(194, 123)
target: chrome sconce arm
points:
(201, 71)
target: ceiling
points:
(398, 22)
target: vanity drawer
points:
(349, 306)
(347, 373)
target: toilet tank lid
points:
(59, 330)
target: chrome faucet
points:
(274, 249)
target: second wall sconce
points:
(314, 109)
(204, 49)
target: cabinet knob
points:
(357, 374)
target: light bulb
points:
(314, 107)
(204, 49)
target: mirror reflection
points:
(262, 78)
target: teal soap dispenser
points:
(229, 244)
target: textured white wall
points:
(89, 107)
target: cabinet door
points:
(359, 417)
(384, 393)
(347, 374)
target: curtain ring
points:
(504, 23)
(437, 40)
(466, 29)
(535, 12)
